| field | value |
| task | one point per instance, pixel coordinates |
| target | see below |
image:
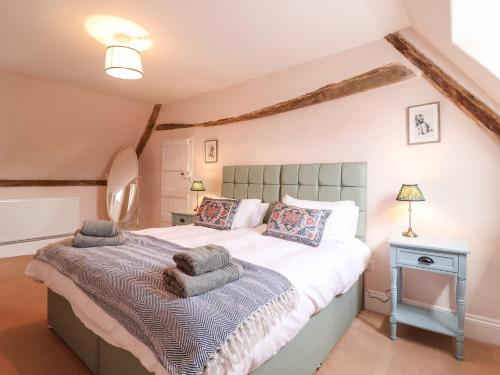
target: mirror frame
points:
(133, 208)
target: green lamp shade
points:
(410, 193)
(197, 186)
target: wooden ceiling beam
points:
(50, 183)
(148, 130)
(463, 98)
(379, 77)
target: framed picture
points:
(211, 151)
(423, 123)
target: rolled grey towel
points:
(99, 228)
(202, 259)
(183, 285)
(81, 240)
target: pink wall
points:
(458, 176)
(51, 130)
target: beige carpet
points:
(28, 347)
(366, 349)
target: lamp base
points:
(197, 207)
(410, 233)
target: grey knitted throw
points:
(184, 333)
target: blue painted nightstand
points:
(182, 218)
(443, 256)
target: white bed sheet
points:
(319, 274)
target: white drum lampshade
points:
(123, 62)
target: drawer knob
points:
(425, 260)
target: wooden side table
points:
(443, 256)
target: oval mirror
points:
(121, 194)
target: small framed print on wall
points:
(423, 124)
(211, 151)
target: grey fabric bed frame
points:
(302, 355)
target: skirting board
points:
(25, 248)
(476, 327)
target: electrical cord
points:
(378, 298)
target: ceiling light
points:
(123, 62)
(116, 31)
(125, 40)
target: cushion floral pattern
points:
(296, 224)
(217, 213)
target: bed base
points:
(303, 355)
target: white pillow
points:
(250, 213)
(319, 205)
(342, 224)
(263, 211)
(343, 221)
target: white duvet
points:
(318, 274)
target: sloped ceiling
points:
(54, 127)
(198, 46)
(201, 46)
(432, 20)
(51, 130)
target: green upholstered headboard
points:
(319, 181)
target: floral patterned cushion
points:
(217, 213)
(296, 224)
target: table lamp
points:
(410, 193)
(197, 186)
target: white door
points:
(176, 174)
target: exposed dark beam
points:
(463, 98)
(372, 79)
(148, 130)
(17, 183)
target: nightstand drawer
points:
(182, 219)
(429, 260)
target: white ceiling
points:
(477, 35)
(198, 46)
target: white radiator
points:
(34, 219)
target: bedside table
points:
(443, 256)
(182, 218)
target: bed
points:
(332, 300)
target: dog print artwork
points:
(423, 123)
